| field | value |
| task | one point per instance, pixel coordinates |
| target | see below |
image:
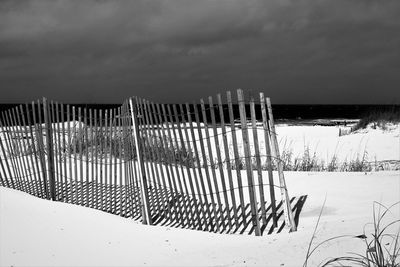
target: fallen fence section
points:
(206, 166)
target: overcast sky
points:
(300, 51)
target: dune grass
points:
(379, 118)
(381, 245)
(309, 161)
(170, 151)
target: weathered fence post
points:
(249, 169)
(145, 203)
(49, 148)
(268, 159)
(289, 219)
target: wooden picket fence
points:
(206, 166)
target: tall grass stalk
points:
(381, 246)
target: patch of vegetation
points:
(163, 149)
(381, 246)
(309, 161)
(379, 118)
(121, 145)
(359, 164)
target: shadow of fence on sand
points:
(123, 201)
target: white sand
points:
(36, 232)
(379, 144)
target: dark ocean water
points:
(281, 112)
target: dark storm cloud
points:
(296, 51)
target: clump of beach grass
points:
(379, 118)
(381, 245)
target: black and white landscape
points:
(330, 69)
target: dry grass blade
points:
(376, 252)
(309, 253)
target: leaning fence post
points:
(142, 174)
(289, 219)
(268, 159)
(49, 146)
(249, 169)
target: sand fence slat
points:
(168, 164)
(175, 127)
(186, 152)
(30, 145)
(15, 161)
(149, 148)
(38, 137)
(3, 175)
(116, 169)
(180, 164)
(96, 133)
(36, 148)
(258, 160)
(212, 168)
(26, 170)
(144, 148)
(102, 132)
(49, 148)
(196, 191)
(181, 210)
(65, 153)
(237, 159)
(75, 165)
(130, 177)
(85, 152)
(145, 203)
(118, 165)
(158, 159)
(199, 179)
(110, 160)
(169, 120)
(80, 140)
(122, 163)
(289, 218)
(14, 150)
(68, 152)
(17, 149)
(213, 226)
(249, 170)
(7, 175)
(268, 159)
(51, 125)
(128, 194)
(5, 152)
(131, 168)
(59, 124)
(104, 161)
(227, 159)
(220, 164)
(42, 149)
(90, 158)
(58, 155)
